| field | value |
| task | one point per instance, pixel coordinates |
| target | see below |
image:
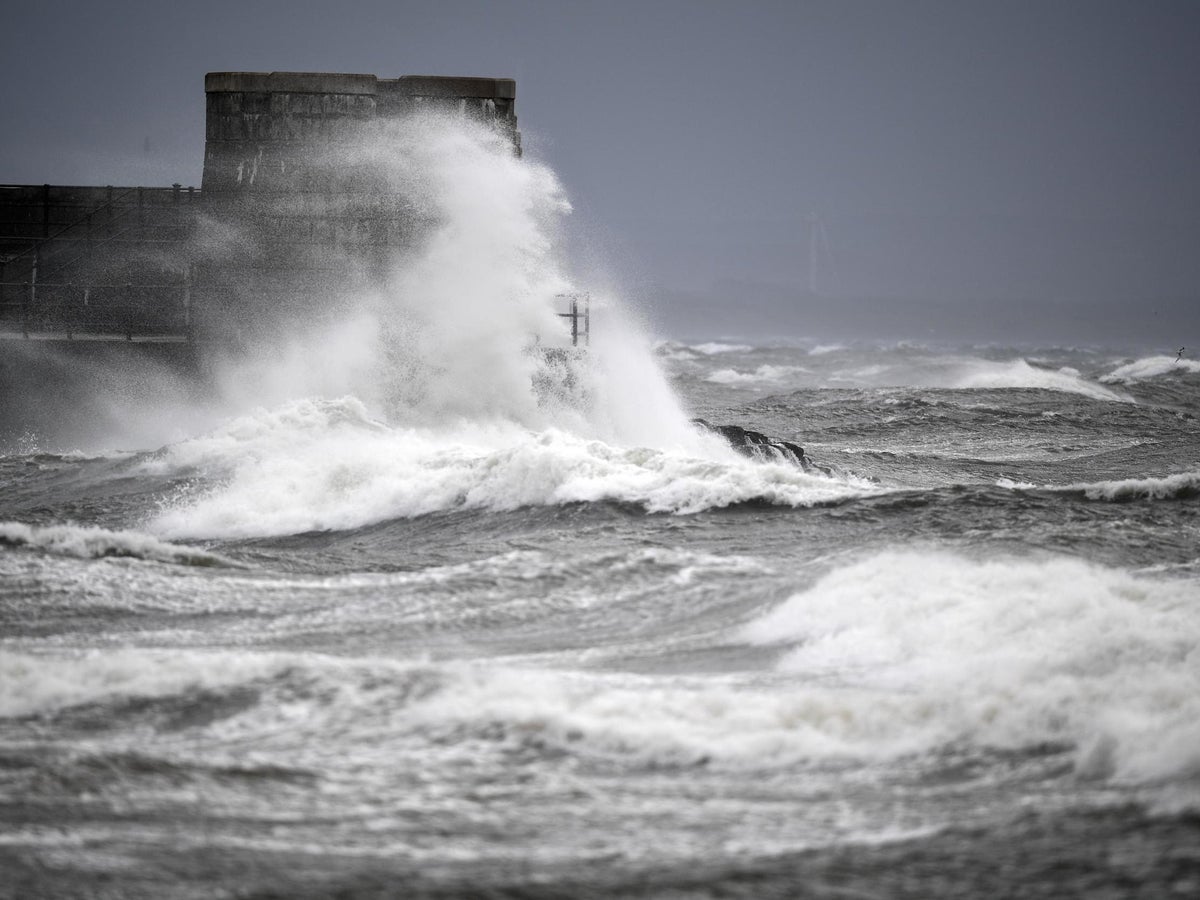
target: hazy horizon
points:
(991, 172)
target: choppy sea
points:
(309, 652)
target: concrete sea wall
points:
(114, 276)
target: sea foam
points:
(43, 683)
(1151, 367)
(714, 347)
(89, 542)
(764, 373)
(308, 468)
(1183, 486)
(933, 649)
(1018, 373)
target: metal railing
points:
(76, 311)
(87, 221)
(38, 240)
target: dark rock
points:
(757, 445)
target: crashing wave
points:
(1020, 374)
(1183, 486)
(87, 542)
(762, 373)
(932, 649)
(714, 347)
(1151, 367)
(287, 477)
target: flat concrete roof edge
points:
(289, 82)
(451, 86)
(346, 83)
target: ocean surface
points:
(428, 604)
(307, 653)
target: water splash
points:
(456, 331)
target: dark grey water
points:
(308, 654)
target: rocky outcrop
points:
(757, 445)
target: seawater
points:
(397, 625)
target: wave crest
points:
(1006, 654)
(291, 481)
(762, 373)
(1183, 486)
(87, 542)
(1020, 374)
(1151, 367)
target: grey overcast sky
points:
(983, 170)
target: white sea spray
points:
(930, 648)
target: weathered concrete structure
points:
(285, 208)
(265, 132)
(288, 163)
(289, 213)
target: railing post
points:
(45, 210)
(31, 302)
(187, 303)
(128, 311)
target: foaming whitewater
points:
(763, 374)
(1183, 486)
(449, 394)
(934, 649)
(1020, 374)
(42, 685)
(1151, 367)
(318, 466)
(90, 542)
(838, 365)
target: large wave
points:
(329, 466)
(902, 654)
(1018, 373)
(923, 371)
(455, 386)
(1180, 486)
(1151, 367)
(932, 649)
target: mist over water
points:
(423, 601)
